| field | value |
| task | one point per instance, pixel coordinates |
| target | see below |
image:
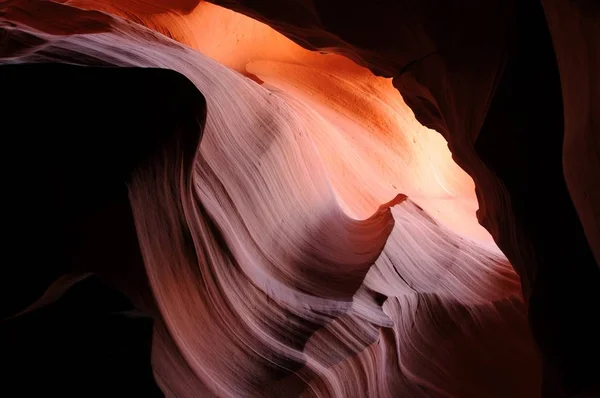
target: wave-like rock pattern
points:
(263, 284)
(369, 121)
(497, 81)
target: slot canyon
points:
(300, 198)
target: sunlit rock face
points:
(386, 150)
(319, 241)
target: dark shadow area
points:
(90, 342)
(72, 137)
(521, 142)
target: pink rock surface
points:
(324, 243)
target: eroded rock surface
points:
(319, 241)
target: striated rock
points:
(321, 242)
(402, 156)
(475, 74)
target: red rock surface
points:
(321, 241)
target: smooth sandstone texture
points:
(487, 79)
(256, 253)
(370, 124)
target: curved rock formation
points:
(319, 241)
(403, 156)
